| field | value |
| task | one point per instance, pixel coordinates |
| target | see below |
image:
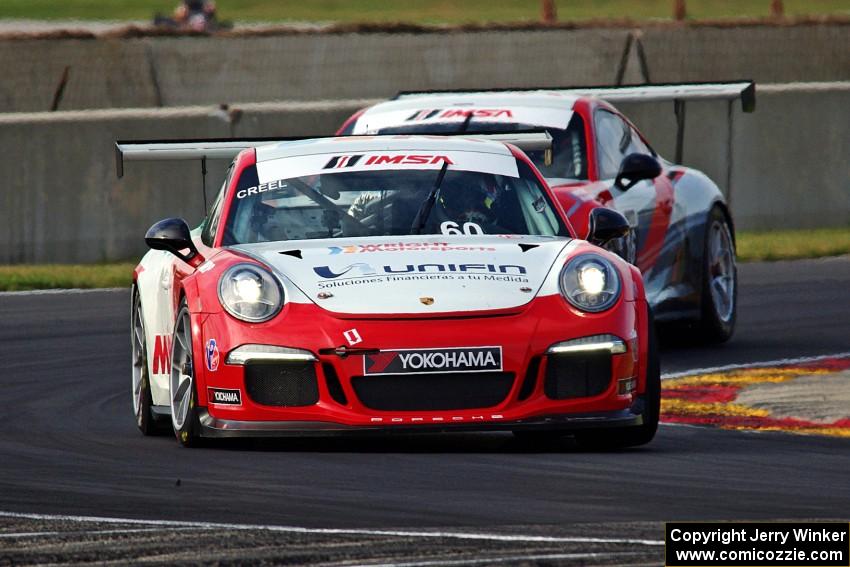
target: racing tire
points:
(621, 437)
(142, 401)
(719, 296)
(182, 390)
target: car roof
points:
(347, 144)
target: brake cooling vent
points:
(577, 375)
(530, 380)
(282, 385)
(334, 386)
(433, 392)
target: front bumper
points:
(226, 428)
(524, 339)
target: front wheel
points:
(181, 385)
(719, 280)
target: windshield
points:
(386, 202)
(569, 152)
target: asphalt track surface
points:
(69, 446)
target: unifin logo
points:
(362, 268)
(367, 270)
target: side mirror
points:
(606, 225)
(172, 235)
(634, 168)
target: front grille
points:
(289, 384)
(578, 375)
(433, 392)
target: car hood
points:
(414, 274)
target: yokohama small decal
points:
(224, 397)
(431, 361)
(212, 355)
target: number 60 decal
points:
(451, 228)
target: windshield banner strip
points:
(350, 162)
(549, 117)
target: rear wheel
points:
(619, 437)
(140, 386)
(181, 385)
(719, 280)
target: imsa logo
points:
(437, 360)
(455, 113)
(342, 162)
(338, 162)
(224, 397)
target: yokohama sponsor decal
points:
(224, 397)
(431, 361)
(272, 172)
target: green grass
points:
(60, 276)
(793, 244)
(421, 11)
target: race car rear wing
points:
(678, 93)
(170, 150)
(745, 90)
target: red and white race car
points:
(389, 283)
(682, 236)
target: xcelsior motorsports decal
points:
(433, 360)
(405, 247)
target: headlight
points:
(590, 283)
(250, 293)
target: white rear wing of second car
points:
(743, 90)
(677, 93)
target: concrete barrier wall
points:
(61, 202)
(175, 71)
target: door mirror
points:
(606, 225)
(634, 168)
(172, 235)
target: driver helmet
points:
(467, 197)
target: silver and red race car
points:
(392, 283)
(682, 236)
